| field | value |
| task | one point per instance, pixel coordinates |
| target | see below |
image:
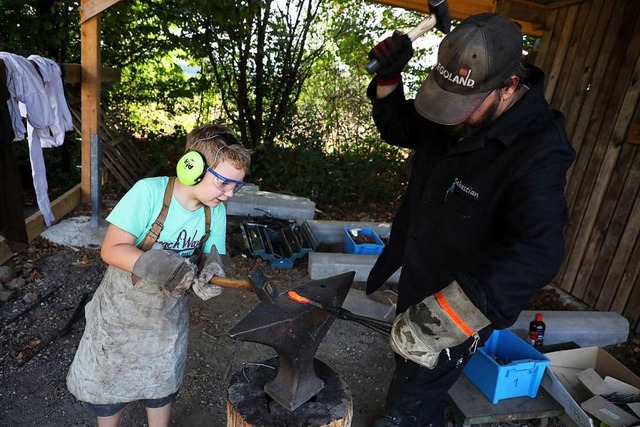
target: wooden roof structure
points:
(590, 52)
(532, 14)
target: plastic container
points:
(506, 367)
(351, 247)
(536, 331)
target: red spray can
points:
(536, 331)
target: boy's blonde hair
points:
(218, 144)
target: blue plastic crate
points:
(351, 247)
(506, 367)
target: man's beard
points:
(464, 130)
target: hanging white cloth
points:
(62, 121)
(38, 172)
(29, 99)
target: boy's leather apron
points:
(135, 341)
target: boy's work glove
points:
(166, 269)
(393, 54)
(443, 320)
(210, 265)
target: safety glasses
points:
(225, 184)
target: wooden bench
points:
(470, 406)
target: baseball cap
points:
(473, 60)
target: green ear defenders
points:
(191, 167)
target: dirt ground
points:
(32, 374)
(36, 348)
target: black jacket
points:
(488, 211)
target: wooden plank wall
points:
(591, 54)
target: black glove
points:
(392, 53)
(443, 17)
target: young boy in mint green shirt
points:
(135, 340)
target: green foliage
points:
(362, 173)
(289, 76)
(43, 27)
(154, 96)
(256, 54)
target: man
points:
(480, 228)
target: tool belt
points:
(443, 320)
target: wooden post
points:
(89, 93)
(248, 405)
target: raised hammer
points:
(439, 17)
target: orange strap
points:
(453, 315)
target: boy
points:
(135, 340)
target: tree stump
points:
(248, 404)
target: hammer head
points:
(261, 286)
(440, 9)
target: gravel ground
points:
(39, 337)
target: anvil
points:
(295, 331)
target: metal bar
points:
(96, 208)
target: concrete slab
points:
(324, 264)
(359, 303)
(333, 231)
(585, 328)
(253, 202)
(77, 232)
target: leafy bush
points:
(364, 172)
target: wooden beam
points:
(523, 12)
(92, 8)
(462, 9)
(633, 136)
(551, 6)
(73, 73)
(35, 223)
(459, 9)
(623, 207)
(89, 93)
(560, 55)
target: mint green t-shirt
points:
(140, 206)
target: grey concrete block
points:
(333, 231)
(585, 328)
(76, 232)
(324, 264)
(359, 303)
(257, 203)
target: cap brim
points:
(443, 107)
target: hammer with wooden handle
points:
(256, 282)
(425, 25)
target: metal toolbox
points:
(278, 241)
